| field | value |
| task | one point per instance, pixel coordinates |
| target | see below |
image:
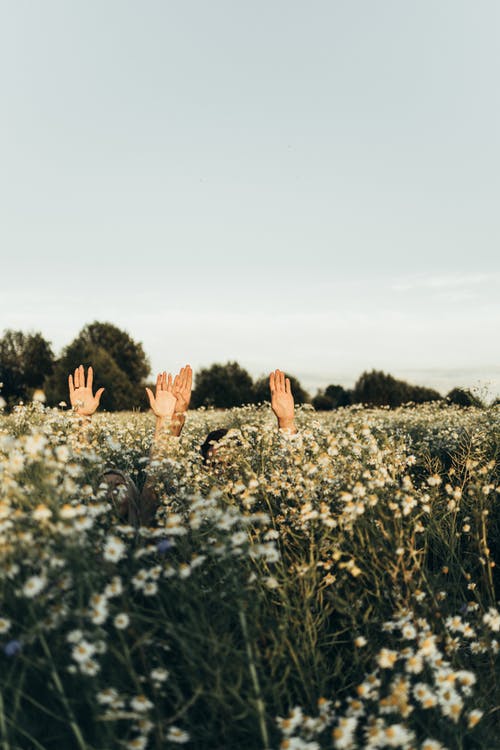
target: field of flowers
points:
(333, 590)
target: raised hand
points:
(183, 383)
(163, 401)
(282, 402)
(83, 401)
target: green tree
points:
(223, 386)
(321, 402)
(127, 353)
(26, 359)
(463, 397)
(120, 366)
(261, 390)
(376, 388)
(420, 394)
(332, 397)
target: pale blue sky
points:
(310, 185)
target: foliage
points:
(377, 388)
(223, 386)
(25, 360)
(331, 590)
(332, 397)
(463, 397)
(119, 363)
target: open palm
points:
(83, 401)
(282, 402)
(163, 400)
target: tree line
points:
(28, 365)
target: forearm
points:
(166, 435)
(159, 445)
(177, 424)
(167, 430)
(82, 426)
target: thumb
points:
(150, 396)
(98, 394)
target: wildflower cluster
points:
(412, 691)
(269, 578)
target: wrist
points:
(287, 423)
(82, 418)
(163, 419)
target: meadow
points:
(335, 590)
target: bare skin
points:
(282, 402)
(169, 403)
(83, 401)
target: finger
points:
(164, 381)
(90, 378)
(158, 384)
(288, 386)
(277, 380)
(169, 382)
(282, 381)
(189, 378)
(177, 383)
(272, 383)
(98, 395)
(150, 396)
(71, 386)
(77, 377)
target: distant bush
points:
(463, 397)
(376, 388)
(332, 397)
(25, 360)
(223, 386)
(421, 395)
(322, 402)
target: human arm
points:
(162, 403)
(282, 402)
(171, 401)
(84, 403)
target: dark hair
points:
(211, 438)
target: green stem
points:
(26, 734)
(3, 728)
(59, 687)
(255, 680)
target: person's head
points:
(209, 447)
(121, 492)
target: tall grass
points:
(337, 590)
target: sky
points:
(306, 185)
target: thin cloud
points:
(448, 281)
